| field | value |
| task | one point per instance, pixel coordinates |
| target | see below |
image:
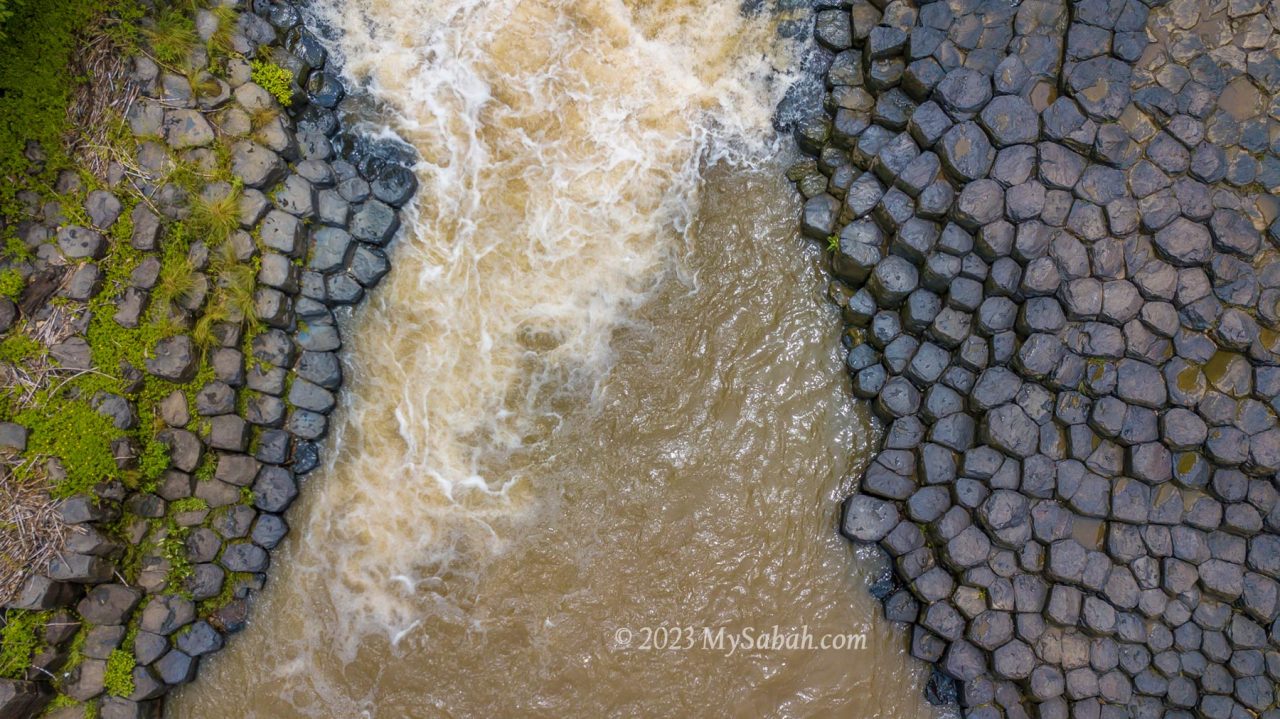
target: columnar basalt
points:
(240, 276)
(1053, 228)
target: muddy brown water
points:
(596, 424)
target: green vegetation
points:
(41, 70)
(62, 701)
(172, 37)
(174, 549)
(154, 459)
(19, 641)
(73, 431)
(36, 84)
(230, 585)
(214, 219)
(833, 242)
(11, 283)
(17, 348)
(206, 469)
(5, 12)
(274, 79)
(119, 679)
(187, 504)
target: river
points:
(597, 408)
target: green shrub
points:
(214, 220)
(274, 79)
(119, 679)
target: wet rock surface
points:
(1054, 231)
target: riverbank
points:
(1054, 228)
(182, 229)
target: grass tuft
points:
(172, 37)
(214, 219)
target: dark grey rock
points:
(369, 265)
(199, 640)
(892, 280)
(964, 92)
(80, 243)
(244, 557)
(375, 222)
(274, 490)
(966, 152)
(175, 667)
(1008, 428)
(13, 436)
(108, 604)
(282, 232)
(833, 29)
(255, 165)
(269, 530)
(1184, 243)
(167, 614)
(394, 185)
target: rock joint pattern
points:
(1053, 230)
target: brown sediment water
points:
(597, 412)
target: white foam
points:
(560, 146)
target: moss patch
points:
(119, 679)
(19, 641)
(76, 434)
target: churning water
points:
(600, 393)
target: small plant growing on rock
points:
(11, 283)
(833, 242)
(177, 280)
(187, 504)
(19, 348)
(172, 37)
(236, 282)
(220, 42)
(274, 79)
(215, 218)
(174, 549)
(119, 678)
(204, 333)
(154, 459)
(19, 640)
(263, 116)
